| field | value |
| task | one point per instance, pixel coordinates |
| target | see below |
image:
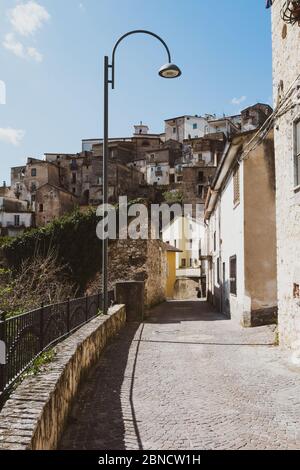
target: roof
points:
(57, 188)
(185, 116)
(225, 167)
(265, 105)
(171, 249)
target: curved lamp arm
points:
(137, 31)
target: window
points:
(218, 271)
(297, 153)
(183, 262)
(74, 178)
(200, 157)
(236, 185)
(201, 191)
(41, 208)
(200, 176)
(33, 172)
(17, 220)
(33, 187)
(174, 130)
(232, 263)
(191, 263)
(191, 244)
(195, 126)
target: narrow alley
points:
(188, 379)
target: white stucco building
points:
(286, 84)
(193, 127)
(188, 235)
(241, 234)
(14, 216)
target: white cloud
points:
(238, 101)
(13, 45)
(27, 18)
(2, 92)
(11, 136)
(34, 54)
(16, 47)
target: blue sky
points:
(51, 61)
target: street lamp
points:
(168, 70)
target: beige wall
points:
(260, 228)
(55, 204)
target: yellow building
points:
(171, 266)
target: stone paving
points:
(188, 379)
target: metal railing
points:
(28, 335)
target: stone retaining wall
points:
(34, 416)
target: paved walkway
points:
(188, 379)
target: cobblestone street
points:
(188, 379)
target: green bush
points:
(5, 240)
(74, 239)
(173, 197)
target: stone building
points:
(25, 180)
(15, 216)
(286, 86)
(53, 202)
(138, 260)
(241, 233)
(160, 163)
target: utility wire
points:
(282, 108)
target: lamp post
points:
(168, 70)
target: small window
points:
(236, 185)
(191, 244)
(41, 208)
(232, 263)
(200, 176)
(218, 271)
(174, 130)
(201, 191)
(191, 263)
(183, 262)
(33, 172)
(297, 153)
(17, 220)
(195, 126)
(33, 187)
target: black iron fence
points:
(27, 336)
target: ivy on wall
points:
(74, 239)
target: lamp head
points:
(169, 71)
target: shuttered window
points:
(232, 263)
(236, 185)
